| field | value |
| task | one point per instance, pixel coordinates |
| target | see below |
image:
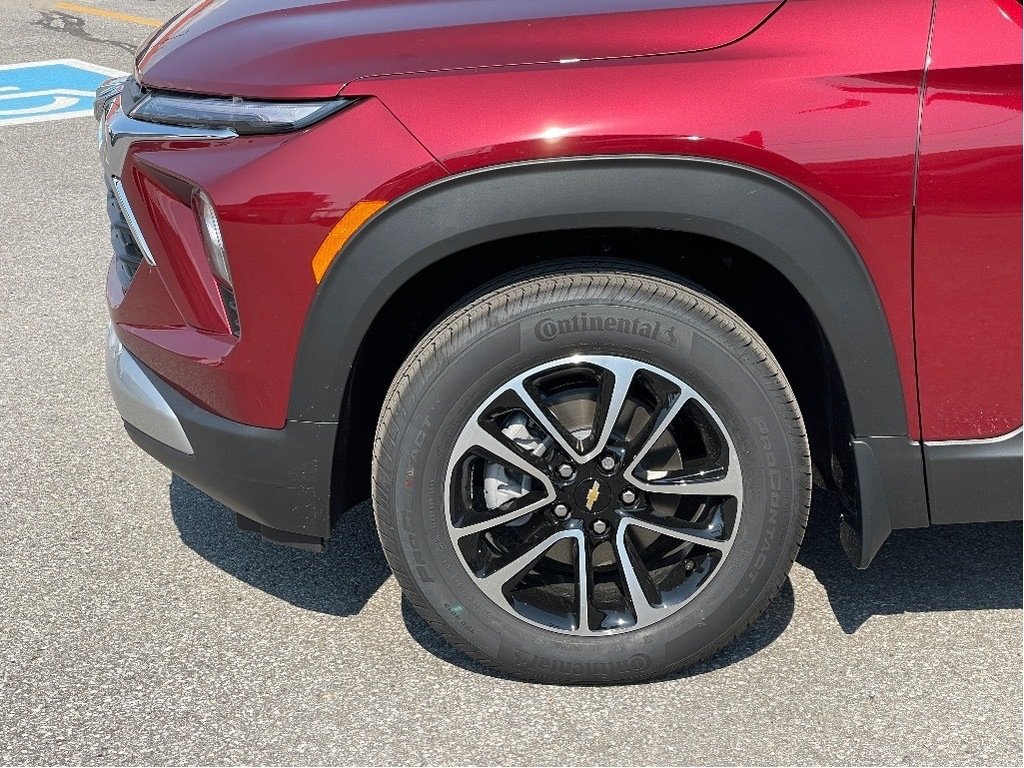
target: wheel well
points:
(740, 279)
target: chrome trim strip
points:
(120, 132)
(129, 216)
(106, 92)
(980, 441)
(138, 401)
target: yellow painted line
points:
(91, 11)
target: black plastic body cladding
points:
(741, 206)
(975, 480)
(746, 208)
(279, 478)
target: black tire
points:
(477, 349)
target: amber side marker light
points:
(343, 230)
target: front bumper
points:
(277, 480)
(139, 402)
(277, 198)
(207, 397)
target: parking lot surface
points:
(137, 625)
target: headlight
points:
(243, 116)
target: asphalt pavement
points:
(137, 625)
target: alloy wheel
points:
(593, 495)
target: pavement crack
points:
(69, 24)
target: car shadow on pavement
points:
(942, 568)
(338, 581)
(760, 635)
(352, 568)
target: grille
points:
(127, 254)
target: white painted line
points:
(77, 63)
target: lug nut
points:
(599, 526)
(608, 463)
(689, 565)
(565, 470)
(628, 496)
(561, 511)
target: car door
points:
(967, 256)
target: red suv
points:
(584, 293)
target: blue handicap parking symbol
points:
(48, 90)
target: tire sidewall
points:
(706, 351)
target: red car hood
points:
(312, 48)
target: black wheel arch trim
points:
(742, 206)
(745, 207)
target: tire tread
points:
(594, 279)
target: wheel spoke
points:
(462, 531)
(671, 403)
(614, 387)
(557, 433)
(710, 535)
(584, 585)
(611, 398)
(643, 610)
(475, 436)
(715, 484)
(493, 583)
